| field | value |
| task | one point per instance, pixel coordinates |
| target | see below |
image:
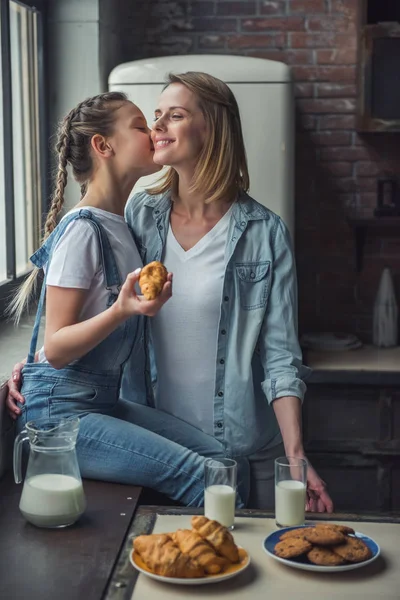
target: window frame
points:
(12, 281)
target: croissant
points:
(218, 536)
(191, 543)
(163, 557)
(152, 278)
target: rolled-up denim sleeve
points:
(279, 346)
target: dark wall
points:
(336, 169)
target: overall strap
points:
(43, 256)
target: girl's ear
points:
(100, 146)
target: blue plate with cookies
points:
(321, 547)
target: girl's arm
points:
(66, 339)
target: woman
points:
(227, 356)
(93, 321)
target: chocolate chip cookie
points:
(323, 555)
(353, 549)
(292, 547)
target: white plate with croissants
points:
(207, 553)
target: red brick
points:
(367, 184)
(332, 138)
(339, 169)
(304, 90)
(367, 169)
(337, 122)
(274, 24)
(338, 56)
(348, 7)
(339, 24)
(335, 90)
(307, 6)
(306, 122)
(197, 9)
(269, 7)
(321, 106)
(212, 41)
(350, 154)
(213, 24)
(328, 39)
(236, 8)
(275, 40)
(311, 73)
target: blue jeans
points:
(112, 446)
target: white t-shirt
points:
(76, 260)
(185, 331)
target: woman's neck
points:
(193, 205)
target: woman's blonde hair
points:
(221, 170)
(92, 116)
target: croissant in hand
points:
(163, 557)
(191, 543)
(152, 278)
(218, 536)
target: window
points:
(22, 132)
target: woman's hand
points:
(318, 499)
(129, 303)
(14, 386)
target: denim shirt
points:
(258, 354)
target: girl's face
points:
(131, 142)
(179, 128)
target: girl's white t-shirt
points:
(185, 331)
(76, 260)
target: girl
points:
(93, 323)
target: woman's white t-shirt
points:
(76, 260)
(185, 331)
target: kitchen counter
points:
(265, 578)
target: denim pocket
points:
(254, 279)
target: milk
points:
(219, 504)
(52, 500)
(290, 499)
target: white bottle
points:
(385, 332)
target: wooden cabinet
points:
(351, 419)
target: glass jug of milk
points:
(52, 495)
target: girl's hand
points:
(129, 303)
(14, 386)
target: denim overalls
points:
(110, 446)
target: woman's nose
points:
(159, 124)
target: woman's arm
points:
(282, 361)
(66, 339)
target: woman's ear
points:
(100, 146)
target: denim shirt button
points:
(223, 331)
(252, 275)
(222, 362)
(243, 223)
(156, 212)
(160, 227)
(219, 425)
(220, 394)
(226, 298)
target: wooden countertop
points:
(74, 563)
(368, 365)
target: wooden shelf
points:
(360, 226)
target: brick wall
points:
(336, 169)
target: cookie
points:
(342, 528)
(292, 547)
(295, 533)
(324, 556)
(353, 549)
(323, 536)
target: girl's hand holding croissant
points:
(129, 303)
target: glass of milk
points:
(290, 491)
(220, 476)
(52, 495)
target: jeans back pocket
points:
(254, 280)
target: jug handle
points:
(19, 440)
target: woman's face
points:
(131, 142)
(179, 129)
